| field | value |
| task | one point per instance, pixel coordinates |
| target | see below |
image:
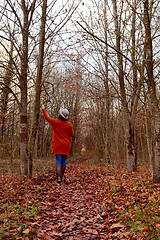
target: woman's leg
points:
(59, 167)
(64, 157)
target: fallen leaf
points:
(151, 198)
(140, 236)
(158, 225)
(26, 231)
(82, 219)
(20, 229)
(40, 233)
(116, 226)
(127, 234)
(56, 234)
(2, 219)
(91, 231)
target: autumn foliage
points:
(95, 201)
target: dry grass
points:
(12, 167)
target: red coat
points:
(62, 133)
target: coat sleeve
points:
(50, 120)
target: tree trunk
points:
(75, 114)
(6, 90)
(107, 124)
(156, 153)
(152, 91)
(36, 109)
(148, 137)
(129, 132)
(23, 86)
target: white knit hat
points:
(64, 113)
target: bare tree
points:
(6, 90)
(26, 10)
(106, 85)
(153, 92)
(38, 85)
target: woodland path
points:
(91, 203)
(78, 208)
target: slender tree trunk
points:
(23, 86)
(153, 96)
(36, 109)
(147, 133)
(107, 125)
(156, 153)
(133, 53)
(136, 85)
(5, 92)
(75, 124)
(129, 131)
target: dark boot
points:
(62, 171)
(59, 173)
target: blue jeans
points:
(61, 160)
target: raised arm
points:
(50, 120)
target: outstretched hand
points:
(42, 107)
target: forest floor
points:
(95, 201)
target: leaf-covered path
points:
(75, 209)
(91, 203)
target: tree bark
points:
(107, 124)
(153, 95)
(6, 90)
(23, 86)
(129, 130)
(35, 121)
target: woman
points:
(61, 139)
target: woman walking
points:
(61, 139)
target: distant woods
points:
(98, 59)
